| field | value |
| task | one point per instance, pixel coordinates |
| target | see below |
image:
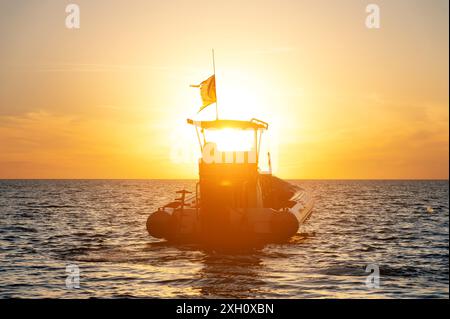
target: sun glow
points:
(330, 101)
(231, 139)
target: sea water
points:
(87, 238)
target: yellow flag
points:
(207, 91)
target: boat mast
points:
(214, 72)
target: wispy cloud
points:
(267, 51)
(96, 67)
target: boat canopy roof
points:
(253, 124)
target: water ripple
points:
(400, 226)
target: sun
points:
(231, 139)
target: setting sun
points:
(232, 139)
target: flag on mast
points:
(207, 91)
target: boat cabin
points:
(228, 174)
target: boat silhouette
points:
(235, 204)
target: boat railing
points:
(197, 202)
(182, 202)
(265, 124)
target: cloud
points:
(96, 67)
(46, 145)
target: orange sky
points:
(110, 99)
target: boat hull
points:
(237, 227)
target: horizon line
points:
(192, 179)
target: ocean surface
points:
(400, 228)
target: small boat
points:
(234, 204)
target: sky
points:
(111, 99)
